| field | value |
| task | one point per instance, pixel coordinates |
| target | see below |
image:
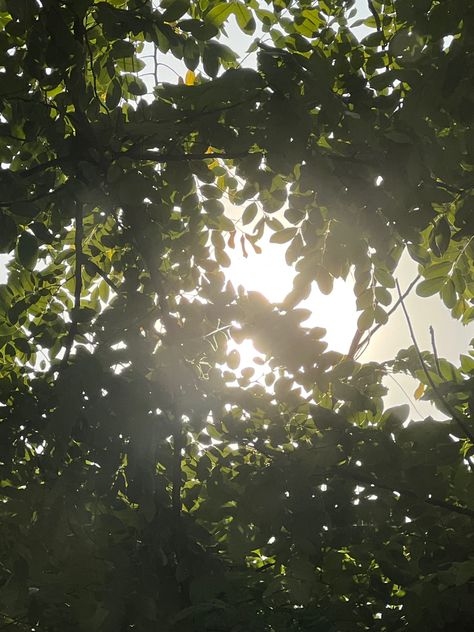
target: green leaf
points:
(365, 320)
(222, 258)
(175, 10)
(324, 280)
(282, 236)
(380, 315)
(27, 250)
(217, 240)
(419, 254)
(394, 417)
(428, 287)
(437, 269)
(440, 237)
(191, 54)
(210, 61)
(244, 17)
(211, 191)
(448, 294)
(114, 94)
(22, 345)
(200, 30)
(383, 296)
(233, 360)
(250, 213)
(224, 223)
(384, 278)
(42, 232)
(137, 87)
(8, 232)
(219, 13)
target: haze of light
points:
(269, 274)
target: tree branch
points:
(177, 474)
(96, 269)
(26, 173)
(156, 156)
(94, 78)
(150, 259)
(435, 351)
(445, 404)
(358, 476)
(35, 198)
(408, 493)
(375, 15)
(357, 344)
(79, 257)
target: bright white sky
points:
(268, 273)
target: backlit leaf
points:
(284, 235)
(27, 250)
(419, 392)
(190, 78)
(428, 287)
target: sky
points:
(268, 273)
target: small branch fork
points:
(357, 344)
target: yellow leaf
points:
(190, 78)
(419, 391)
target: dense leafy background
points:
(148, 479)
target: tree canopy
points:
(148, 478)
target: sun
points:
(269, 274)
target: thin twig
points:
(79, 234)
(155, 64)
(355, 344)
(435, 351)
(367, 339)
(214, 331)
(411, 402)
(94, 78)
(94, 267)
(445, 404)
(35, 198)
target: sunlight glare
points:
(269, 274)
